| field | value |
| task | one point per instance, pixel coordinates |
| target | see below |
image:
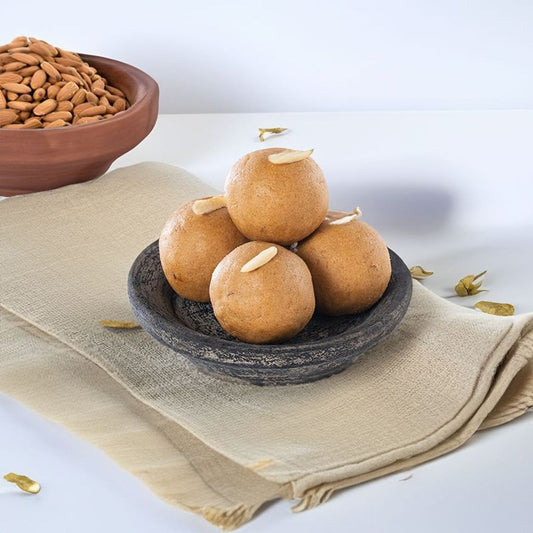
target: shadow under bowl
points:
(42, 159)
(326, 346)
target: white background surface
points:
(450, 191)
(303, 55)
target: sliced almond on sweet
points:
(262, 258)
(289, 156)
(346, 219)
(207, 205)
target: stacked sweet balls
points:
(268, 252)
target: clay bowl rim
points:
(190, 336)
(147, 95)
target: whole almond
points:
(67, 92)
(29, 59)
(53, 90)
(28, 71)
(69, 55)
(92, 111)
(13, 67)
(5, 58)
(115, 91)
(23, 115)
(32, 123)
(7, 117)
(12, 96)
(45, 107)
(51, 71)
(21, 40)
(82, 107)
(18, 88)
(57, 115)
(62, 68)
(39, 94)
(40, 48)
(25, 98)
(88, 120)
(21, 106)
(65, 105)
(78, 97)
(26, 80)
(10, 77)
(86, 79)
(15, 49)
(120, 104)
(69, 62)
(92, 98)
(73, 78)
(59, 123)
(13, 127)
(38, 79)
(98, 87)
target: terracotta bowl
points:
(325, 347)
(37, 160)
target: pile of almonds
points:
(42, 86)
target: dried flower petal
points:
(23, 483)
(467, 287)
(119, 324)
(495, 308)
(274, 131)
(418, 272)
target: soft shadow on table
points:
(409, 207)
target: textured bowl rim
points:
(185, 334)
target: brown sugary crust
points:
(270, 304)
(276, 203)
(350, 266)
(191, 246)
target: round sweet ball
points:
(192, 244)
(262, 293)
(281, 202)
(349, 263)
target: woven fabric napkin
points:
(218, 448)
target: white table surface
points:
(448, 190)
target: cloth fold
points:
(217, 448)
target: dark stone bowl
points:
(326, 346)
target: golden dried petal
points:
(467, 287)
(23, 483)
(273, 131)
(119, 324)
(418, 272)
(495, 308)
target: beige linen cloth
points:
(218, 448)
